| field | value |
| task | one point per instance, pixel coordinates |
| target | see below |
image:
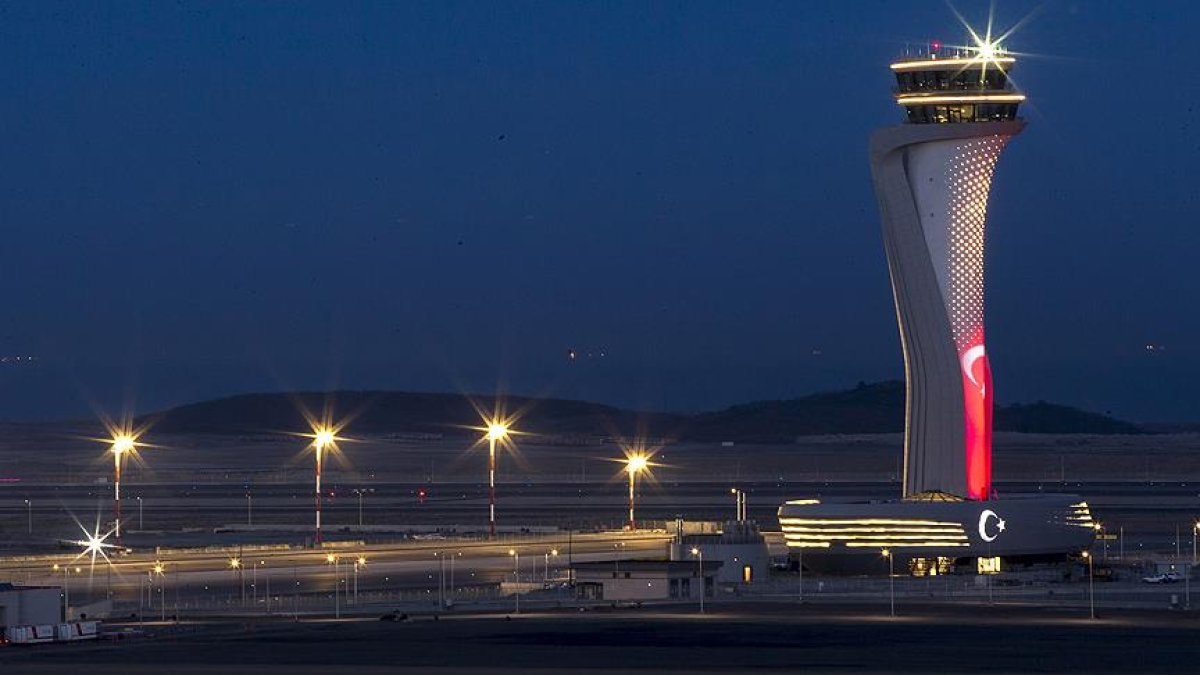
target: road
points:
(1148, 517)
(206, 578)
(729, 638)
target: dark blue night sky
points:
(201, 199)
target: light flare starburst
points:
(95, 544)
(987, 45)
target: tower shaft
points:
(932, 184)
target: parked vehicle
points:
(63, 632)
(1167, 578)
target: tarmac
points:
(730, 638)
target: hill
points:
(867, 408)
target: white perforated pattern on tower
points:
(969, 178)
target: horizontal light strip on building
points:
(808, 544)
(935, 530)
(907, 544)
(963, 98)
(923, 65)
(852, 537)
(866, 521)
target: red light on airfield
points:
(936, 45)
(421, 496)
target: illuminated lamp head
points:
(123, 443)
(324, 438)
(636, 463)
(497, 431)
(988, 51)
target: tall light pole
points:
(122, 444)
(516, 577)
(634, 464)
(235, 564)
(140, 526)
(891, 579)
(496, 431)
(696, 551)
(323, 439)
(1195, 531)
(249, 510)
(29, 513)
(1091, 586)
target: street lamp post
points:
(140, 525)
(800, 569)
(249, 510)
(29, 513)
(1091, 586)
(66, 571)
(516, 577)
(1187, 586)
(359, 563)
(360, 492)
(235, 564)
(739, 497)
(441, 596)
(1195, 531)
(337, 608)
(497, 431)
(891, 579)
(546, 569)
(254, 584)
(634, 465)
(696, 551)
(160, 571)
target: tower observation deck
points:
(932, 179)
(957, 88)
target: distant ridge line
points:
(866, 408)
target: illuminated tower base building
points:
(932, 177)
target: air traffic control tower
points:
(932, 177)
